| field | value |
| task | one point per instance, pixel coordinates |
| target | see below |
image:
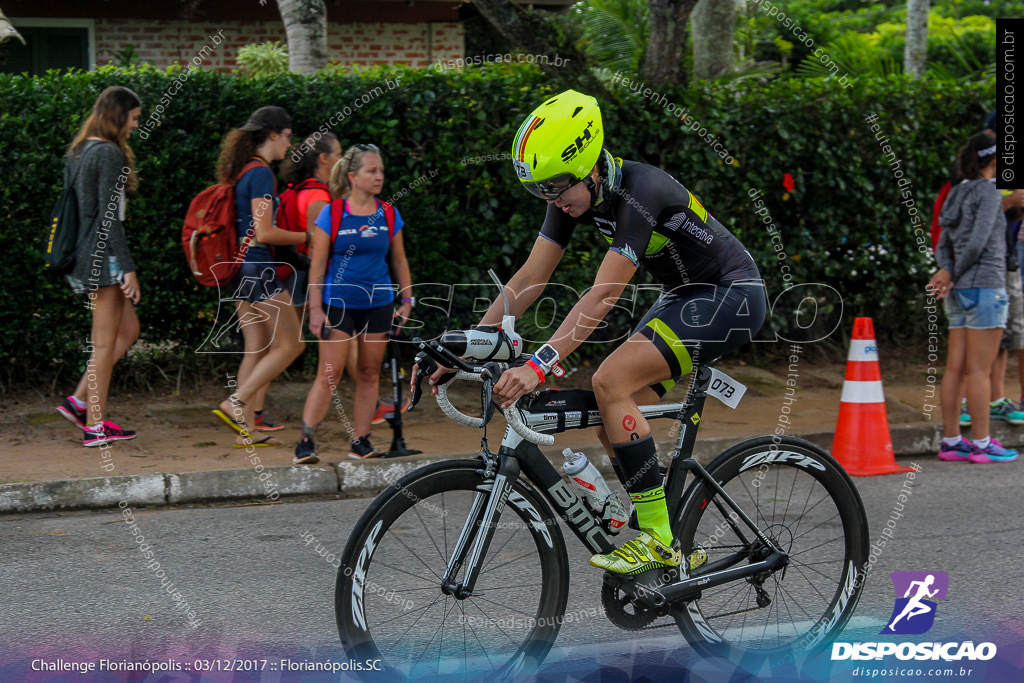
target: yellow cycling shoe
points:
(639, 555)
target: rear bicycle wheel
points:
(806, 504)
(389, 603)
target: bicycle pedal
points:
(697, 558)
(624, 582)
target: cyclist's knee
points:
(605, 385)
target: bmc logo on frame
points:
(913, 614)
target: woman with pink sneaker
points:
(101, 168)
(972, 280)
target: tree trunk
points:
(539, 35)
(915, 56)
(7, 30)
(713, 28)
(663, 63)
(305, 23)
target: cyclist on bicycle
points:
(712, 301)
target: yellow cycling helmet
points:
(558, 144)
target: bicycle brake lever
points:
(425, 367)
(491, 373)
(417, 386)
(486, 404)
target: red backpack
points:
(209, 236)
(288, 217)
(337, 216)
(940, 201)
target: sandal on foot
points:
(259, 443)
(237, 425)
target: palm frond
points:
(853, 54)
(614, 33)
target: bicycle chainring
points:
(624, 610)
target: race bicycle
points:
(459, 570)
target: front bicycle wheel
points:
(806, 504)
(389, 604)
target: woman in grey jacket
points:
(102, 167)
(972, 279)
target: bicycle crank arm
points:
(690, 589)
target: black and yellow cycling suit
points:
(713, 299)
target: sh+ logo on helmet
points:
(914, 612)
(582, 142)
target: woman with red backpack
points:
(270, 328)
(356, 242)
(306, 170)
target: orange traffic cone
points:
(862, 442)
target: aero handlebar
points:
(488, 374)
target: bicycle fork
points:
(476, 535)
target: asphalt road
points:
(75, 585)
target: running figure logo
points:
(914, 612)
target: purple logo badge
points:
(916, 593)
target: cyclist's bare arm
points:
(612, 277)
(529, 281)
(522, 289)
(614, 274)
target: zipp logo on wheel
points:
(359, 575)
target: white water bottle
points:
(591, 486)
(485, 342)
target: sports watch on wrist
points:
(546, 357)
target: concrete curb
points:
(373, 476)
(271, 483)
(93, 492)
(358, 478)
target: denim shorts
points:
(255, 282)
(977, 308)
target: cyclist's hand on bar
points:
(435, 377)
(514, 384)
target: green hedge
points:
(445, 138)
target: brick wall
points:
(168, 42)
